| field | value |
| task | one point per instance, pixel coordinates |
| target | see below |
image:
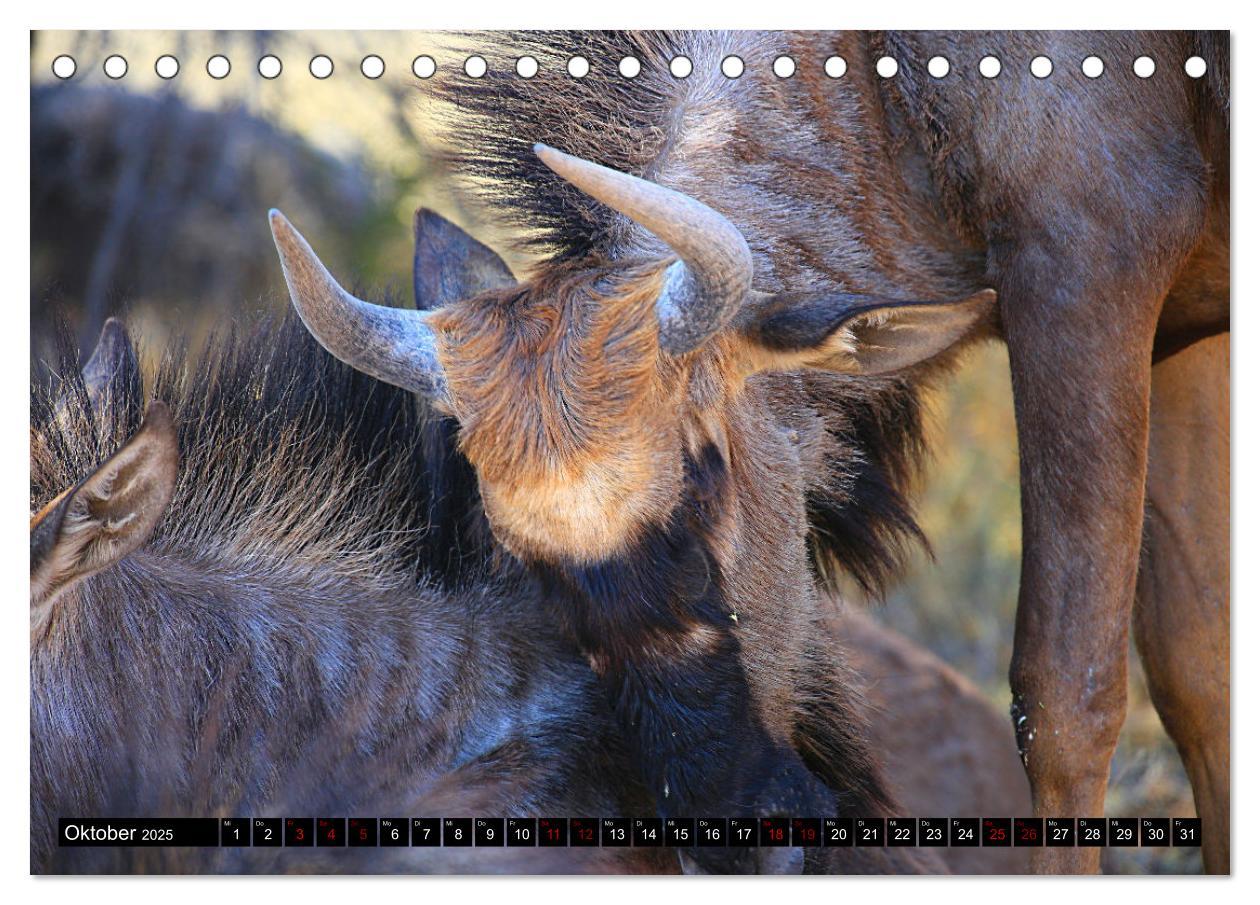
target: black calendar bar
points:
(612, 832)
(143, 831)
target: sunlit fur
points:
(563, 413)
(750, 147)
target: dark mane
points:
(861, 518)
(490, 124)
(286, 454)
(860, 514)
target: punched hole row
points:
(372, 66)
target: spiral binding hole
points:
(680, 67)
(166, 66)
(784, 67)
(115, 66)
(218, 66)
(270, 67)
(64, 67)
(423, 67)
(321, 66)
(835, 67)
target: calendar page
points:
(630, 452)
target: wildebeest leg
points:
(1090, 200)
(1081, 399)
(1181, 618)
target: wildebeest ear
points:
(450, 265)
(854, 334)
(113, 368)
(110, 513)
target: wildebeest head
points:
(582, 390)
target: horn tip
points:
(427, 217)
(282, 231)
(547, 154)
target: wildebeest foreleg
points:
(1081, 399)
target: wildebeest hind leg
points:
(1181, 617)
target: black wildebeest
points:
(1097, 210)
(227, 620)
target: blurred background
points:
(149, 195)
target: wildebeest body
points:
(273, 651)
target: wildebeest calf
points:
(226, 621)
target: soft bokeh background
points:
(149, 197)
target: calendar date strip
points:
(626, 832)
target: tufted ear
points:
(854, 334)
(450, 265)
(110, 513)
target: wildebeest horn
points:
(708, 286)
(395, 345)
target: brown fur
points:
(946, 749)
(566, 467)
(1097, 209)
(1181, 617)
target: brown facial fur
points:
(662, 505)
(577, 423)
(567, 411)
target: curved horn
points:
(395, 345)
(706, 288)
